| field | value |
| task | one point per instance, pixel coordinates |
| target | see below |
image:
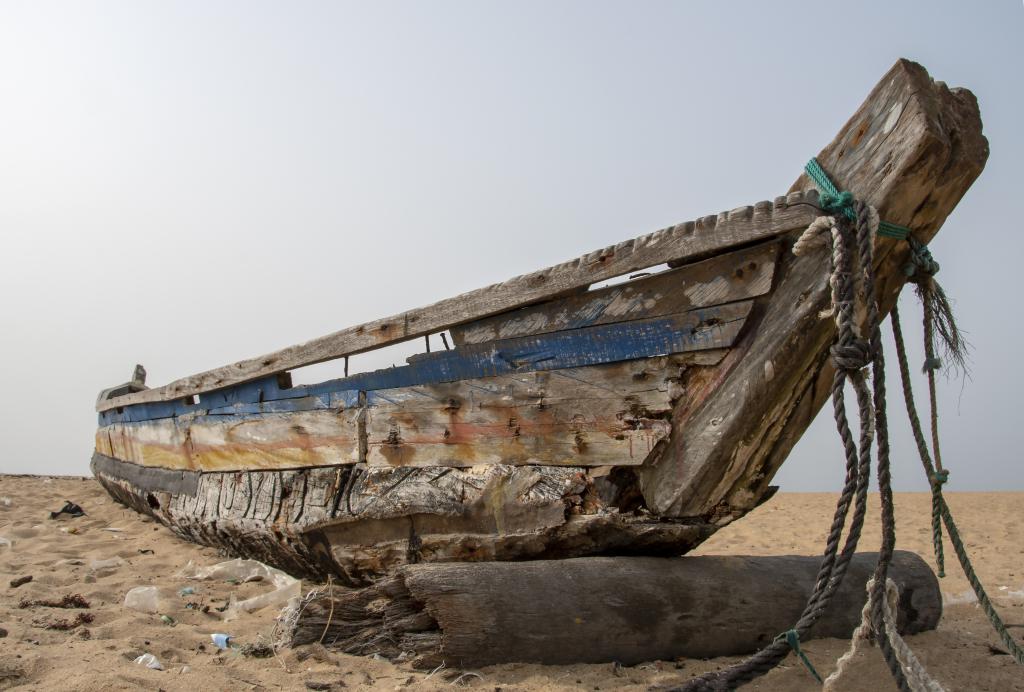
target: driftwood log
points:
(591, 610)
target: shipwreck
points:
(560, 420)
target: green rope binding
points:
(792, 638)
(834, 201)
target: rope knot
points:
(922, 266)
(938, 478)
(931, 364)
(835, 204)
(852, 355)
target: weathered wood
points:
(730, 277)
(610, 415)
(690, 240)
(358, 523)
(912, 149)
(600, 609)
(602, 415)
(707, 328)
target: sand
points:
(99, 654)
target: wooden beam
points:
(601, 609)
(912, 149)
(690, 240)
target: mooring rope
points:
(917, 677)
(937, 477)
(848, 229)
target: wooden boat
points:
(634, 418)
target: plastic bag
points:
(143, 598)
(149, 660)
(286, 587)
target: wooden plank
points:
(602, 415)
(690, 240)
(726, 278)
(705, 328)
(240, 442)
(601, 609)
(275, 440)
(912, 149)
(701, 329)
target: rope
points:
(937, 477)
(917, 677)
(851, 244)
(792, 639)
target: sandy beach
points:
(102, 555)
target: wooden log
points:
(600, 609)
(684, 241)
(912, 149)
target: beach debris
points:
(69, 508)
(3, 633)
(198, 605)
(6, 542)
(110, 563)
(73, 561)
(186, 591)
(71, 600)
(168, 620)
(221, 640)
(15, 583)
(150, 661)
(64, 624)
(286, 587)
(112, 529)
(146, 551)
(5, 501)
(184, 669)
(260, 649)
(142, 598)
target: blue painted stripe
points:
(564, 349)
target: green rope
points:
(834, 201)
(792, 638)
(936, 478)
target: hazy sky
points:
(184, 184)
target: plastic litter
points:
(186, 591)
(143, 598)
(168, 620)
(110, 563)
(221, 641)
(69, 508)
(5, 501)
(286, 587)
(149, 660)
(6, 542)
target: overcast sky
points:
(184, 184)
